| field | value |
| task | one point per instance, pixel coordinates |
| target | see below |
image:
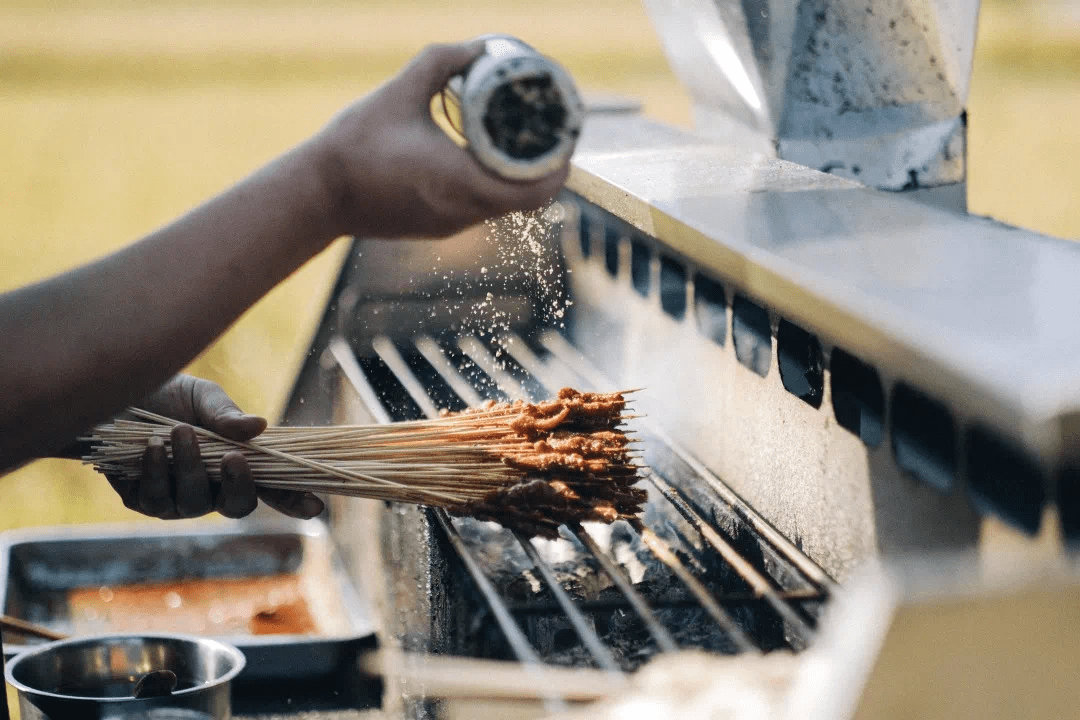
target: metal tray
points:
(40, 567)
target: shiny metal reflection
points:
(95, 678)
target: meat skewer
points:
(529, 466)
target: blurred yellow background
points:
(118, 115)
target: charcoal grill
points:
(702, 569)
(836, 366)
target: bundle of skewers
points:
(528, 466)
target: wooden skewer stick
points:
(483, 462)
(25, 627)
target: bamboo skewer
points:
(528, 466)
(25, 627)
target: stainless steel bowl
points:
(93, 678)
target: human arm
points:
(81, 346)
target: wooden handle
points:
(24, 627)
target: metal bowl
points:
(94, 678)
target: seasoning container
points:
(97, 678)
(517, 111)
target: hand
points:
(182, 489)
(394, 173)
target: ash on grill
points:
(626, 636)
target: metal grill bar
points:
(588, 636)
(727, 598)
(757, 582)
(660, 634)
(514, 635)
(534, 365)
(660, 549)
(663, 638)
(352, 371)
(519, 643)
(479, 354)
(390, 355)
(435, 355)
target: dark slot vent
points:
(585, 232)
(710, 309)
(801, 362)
(1004, 479)
(640, 266)
(751, 334)
(923, 437)
(857, 397)
(611, 250)
(1068, 500)
(391, 393)
(672, 287)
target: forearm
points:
(80, 346)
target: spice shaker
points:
(517, 111)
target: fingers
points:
(294, 504)
(202, 402)
(155, 497)
(193, 497)
(182, 488)
(236, 497)
(504, 195)
(435, 65)
(461, 193)
(216, 411)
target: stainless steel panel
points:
(979, 314)
(875, 92)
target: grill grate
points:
(715, 564)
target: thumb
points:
(436, 64)
(216, 411)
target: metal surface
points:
(40, 567)
(945, 353)
(94, 678)
(875, 92)
(972, 309)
